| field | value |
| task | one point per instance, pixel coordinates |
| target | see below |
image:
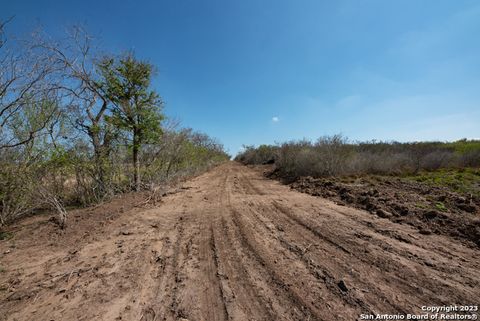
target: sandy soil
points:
(229, 245)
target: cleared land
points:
(229, 245)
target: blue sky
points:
(261, 71)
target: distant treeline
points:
(337, 156)
(78, 126)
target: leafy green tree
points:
(137, 109)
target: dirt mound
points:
(430, 209)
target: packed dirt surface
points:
(431, 209)
(229, 245)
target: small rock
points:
(342, 286)
(125, 233)
(427, 263)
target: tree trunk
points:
(136, 162)
(99, 160)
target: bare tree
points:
(89, 103)
(28, 74)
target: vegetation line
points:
(78, 126)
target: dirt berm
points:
(431, 209)
(229, 245)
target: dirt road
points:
(231, 245)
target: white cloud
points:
(275, 119)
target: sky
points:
(263, 71)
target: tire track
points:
(217, 273)
(251, 296)
(383, 262)
(163, 303)
(310, 227)
(297, 301)
(316, 270)
(375, 235)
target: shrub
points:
(337, 156)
